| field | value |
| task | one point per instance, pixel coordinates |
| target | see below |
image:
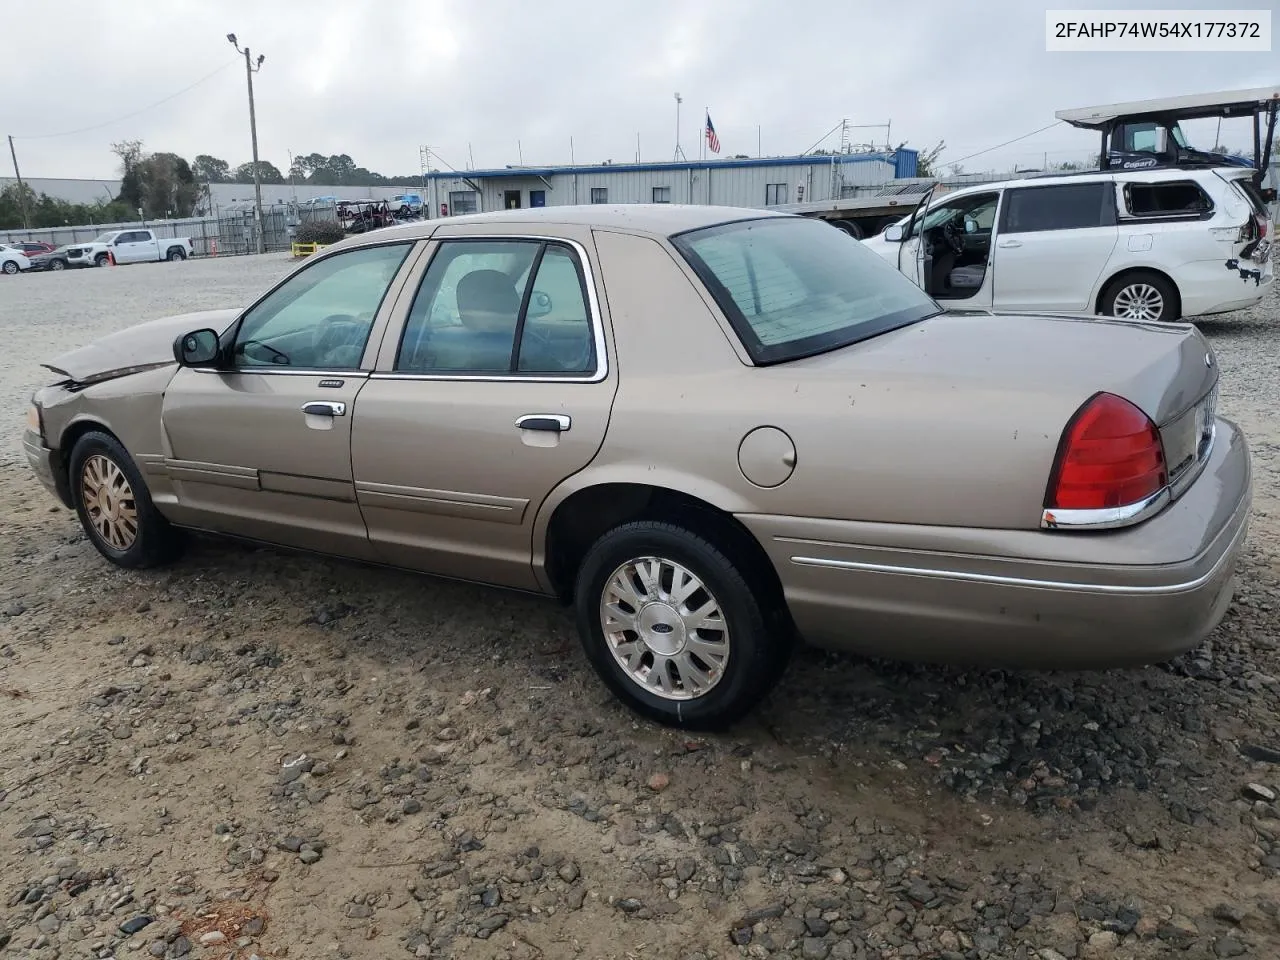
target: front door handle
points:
(325, 408)
(552, 422)
(1009, 243)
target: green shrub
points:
(319, 231)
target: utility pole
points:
(250, 68)
(679, 152)
(22, 193)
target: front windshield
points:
(104, 237)
(793, 287)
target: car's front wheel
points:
(673, 626)
(1141, 295)
(101, 260)
(114, 506)
(57, 265)
(10, 267)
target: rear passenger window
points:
(1068, 206)
(1181, 198)
(476, 312)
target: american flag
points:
(713, 142)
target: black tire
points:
(101, 260)
(10, 267)
(757, 656)
(57, 264)
(176, 253)
(849, 227)
(405, 211)
(1135, 287)
(156, 542)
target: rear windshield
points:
(793, 287)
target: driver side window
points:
(320, 318)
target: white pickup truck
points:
(127, 246)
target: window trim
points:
(586, 278)
(653, 195)
(1128, 216)
(227, 338)
(1111, 213)
(604, 191)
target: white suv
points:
(1149, 245)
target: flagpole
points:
(706, 116)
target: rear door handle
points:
(325, 408)
(552, 422)
(1009, 243)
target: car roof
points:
(1050, 179)
(653, 219)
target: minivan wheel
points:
(672, 627)
(1141, 296)
(114, 506)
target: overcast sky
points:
(376, 80)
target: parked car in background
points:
(43, 256)
(406, 204)
(709, 429)
(127, 246)
(1145, 245)
(13, 260)
(32, 248)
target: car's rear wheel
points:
(114, 506)
(10, 267)
(673, 626)
(1141, 295)
(177, 254)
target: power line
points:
(99, 126)
(950, 163)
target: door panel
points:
(449, 470)
(261, 447)
(245, 459)
(1052, 245)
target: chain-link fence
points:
(226, 233)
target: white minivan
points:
(1144, 245)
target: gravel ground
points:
(262, 754)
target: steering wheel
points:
(556, 352)
(953, 236)
(333, 339)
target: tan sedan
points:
(710, 430)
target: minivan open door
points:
(917, 250)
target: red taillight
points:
(1110, 456)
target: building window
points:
(599, 194)
(462, 201)
(775, 193)
(661, 194)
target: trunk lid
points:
(976, 404)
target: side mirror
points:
(197, 349)
(893, 233)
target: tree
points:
(210, 169)
(46, 211)
(159, 184)
(267, 173)
(926, 160)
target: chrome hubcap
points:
(1140, 301)
(108, 501)
(664, 628)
